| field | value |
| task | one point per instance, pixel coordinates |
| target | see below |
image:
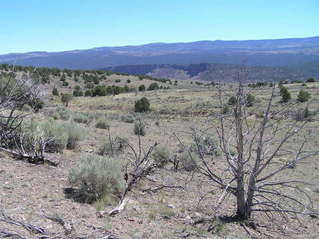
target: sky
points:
(58, 25)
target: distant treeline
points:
(43, 74)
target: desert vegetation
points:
(125, 155)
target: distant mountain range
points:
(221, 72)
(294, 51)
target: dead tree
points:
(256, 154)
(14, 95)
(139, 165)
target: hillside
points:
(87, 82)
(97, 145)
(252, 52)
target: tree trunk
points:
(241, 202)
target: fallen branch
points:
(153, 190)
(68, 227)
(29, 227)
(30, 158)
(115, 210)
(69, 230)
(4, 234)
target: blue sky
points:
(56, 25)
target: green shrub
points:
(77, 93)
(36, 104)
(250, 100)
(112, 146)
(141, 88)
(311, 80)
(161, 156)
(139, 128)
(81, 118)
(303, 96)
(153, 86)
(34, 132)
(203, 144)
(127, 118)
(55, 91)
(64, 113)
(102, 124)
(285, 94)
(75, 133)
(225, 109)
(66, 98)
(232, 100)
(97, 176)
(189, 161)
(142, 105)
(57, 133)
(88, 93)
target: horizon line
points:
(154, 43)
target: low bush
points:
(32, 134)
(75, 133)
(127, 118)
(139, 128)
(81, 118)
(141, 88)
(55, 92)
(161, 156)
(188, 161)
(97, 176)
(64, 113)
(56, 132)
(285, 94)
(250, 100)
(102, 124)
(303, 96)
(66, 98)
(112, 146)
(203, 144)
(153, 86)
(310, 80)
(232, 100)
(78, 93)
(142, 105)
(225, 109)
